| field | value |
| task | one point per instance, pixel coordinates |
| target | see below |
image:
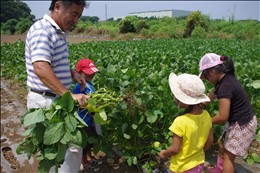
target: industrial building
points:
(161, 13)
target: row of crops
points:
(138, 70)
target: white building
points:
(161, 13)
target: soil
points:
(13, 106)
(71, 38)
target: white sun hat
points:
(188, 88)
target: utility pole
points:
(106, 11)
(233, 15)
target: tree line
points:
(16, 18)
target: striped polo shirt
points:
(46, 41)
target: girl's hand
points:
(163, 155)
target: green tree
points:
(142, 24)
(23, 25)
(195, 19)
(199, 32)
(15, 9)
(9, 26)
(93, 19)
(126, 26)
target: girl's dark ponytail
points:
(229, 65)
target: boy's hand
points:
(80, 80)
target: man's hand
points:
(81, 99)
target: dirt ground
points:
(71, 38)
(13, 106)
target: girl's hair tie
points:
(222, 58)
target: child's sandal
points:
(89, 167)
(98, 162)
(213, 169)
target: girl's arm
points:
(173, 149)
(211, 96)
(223, 114)
(209, 141)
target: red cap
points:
(87, 66)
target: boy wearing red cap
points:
(87, 69)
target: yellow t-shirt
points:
(194, 130)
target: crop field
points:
(138, 71)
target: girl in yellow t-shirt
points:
(192, 133)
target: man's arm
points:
(45, 73)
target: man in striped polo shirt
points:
(48, 71)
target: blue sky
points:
(214, 9)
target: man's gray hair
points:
(67, 3)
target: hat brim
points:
(90, 71)
(181, 96)
(201, 76)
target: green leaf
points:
(92, 140)
(141, 119)
(45, 166)
(33, 117)
(97, 147)
(50, 153)
(61, 152)
(124, 126)
(84, 138)
(103, 115)
(145, 166)
(57, 107)
(140, 133)
(19, 149)
(124, 83)
(250, 161)
(157, 112)
(71, 122)
(153, 163)
(256, 84)
(49, 114)
(92, 102)
(99, 120)
(66, 137)
(134, 160)
(126, 136)
(124, 70)
(53, 133)
(129, 161)
(256, 157)
(111, 69)
(151, 117)
(77, 138)
(134, 126)
(79, 118)
(37, 136)
(27, 132)
(67, 102)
